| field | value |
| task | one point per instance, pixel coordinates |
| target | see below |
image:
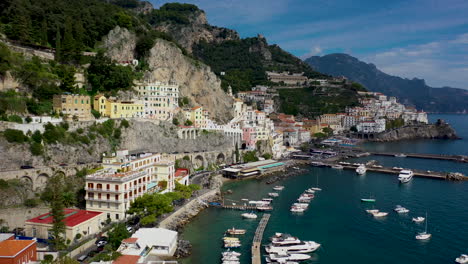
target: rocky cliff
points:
(196, 30)
(440, 130)
(147, 136)
(167, 63)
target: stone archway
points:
(220, 159)
(28, 182)
(41, 181)
(198, 162)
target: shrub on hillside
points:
(14, 135)
(36, 149)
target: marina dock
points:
(257, 241)
(388, 170)
(456, 158)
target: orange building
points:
(17, 251)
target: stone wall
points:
(15, 217)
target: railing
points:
(103, 190)
(102, 200)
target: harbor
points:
(456, 158)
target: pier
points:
(456, 158)
(388, 170)
(257, 241)
(244, 207)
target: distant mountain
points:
(413, 92)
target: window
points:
(116, 216)
(34, 232)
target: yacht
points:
(368, 200)
(301, 205)
(310, 190)
(405, 176)
(372, 211)
(278, 188)
(264, 208)
(337, 167)
(284, 239)
(273, 194)
(249, 215)
(361, 169)
(303, 247)
(418, 219)
(380, 214)
(231, 253)
(281, 257)
(267, 200)
(462, 259)
(233, 231)
(316, 188)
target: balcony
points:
(103, 190)
(103, 200)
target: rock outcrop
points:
(196, 30)
(440, 130)
(168, 64)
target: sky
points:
(424, 39)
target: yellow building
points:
(73, 106)
(117, 109)
(196, 116)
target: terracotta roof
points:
(126, 259)
(73, 217)
(196, 107)
(181, 172)
(11, 248)
(130, 240)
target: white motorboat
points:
(424, 235)
(418, 219)
(273, 194)
(405, 176)
(310, 190)
(285, 257)
(278, 188)
(245, 199)
(372, 211)
(303, 247)
(231, 253)
(231, 262)
(259, 203)
(230, 258)
(397, 168)
(284, 262)
(337, 167)
(249, 215)
(380, 214)
(400, 155)
(361, 169)
(463, 259)
(267, 200)
(304, 199)
(401, 210)
(301, 205)
(297, 209)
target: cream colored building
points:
(125, 177)
(196, 115)
(78, 224)
(73, 105)
(160, 99)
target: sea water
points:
(336, 217)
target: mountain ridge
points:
(414, 92)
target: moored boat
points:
(405, 176)
(380, 214)
(368, 200)
(273, 194)
(418, 219)
(361, 169)
(278, 188)
(280, 257)
(372, 211)
(337, 167)
(234, 231)
(303, 247)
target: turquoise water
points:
(337, 220)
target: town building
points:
(196, 115)
(18, 251)
(160, 99)
(73, 106)
(117, 109)
(78, 224)
(287, 78)
(150, 241)
(182, 176)
(376, 126)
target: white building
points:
(376, 126)
(150, 241)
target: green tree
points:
(53, 193)
(36, 149)
(118, 233)
(353, 129)
(250, 156)
(14, 135)
(68, 44)
(43, 34)
(188, 123)
(236, 153)
(328, 131)
(175, 121)
(58, 45)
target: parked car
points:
(82, 258)
(24, 167)
(130, 229)
(101, 244)
(103, 238)
(63, 164)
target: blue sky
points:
(419, 38)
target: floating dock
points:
(257, 241)
(242, 207)
(456, 158)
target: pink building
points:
(249, 137)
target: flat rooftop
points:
(73, 217)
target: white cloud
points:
(314, 51)
(440, 63)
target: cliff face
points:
(196, 30)
(430, 131)
(167, 63)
